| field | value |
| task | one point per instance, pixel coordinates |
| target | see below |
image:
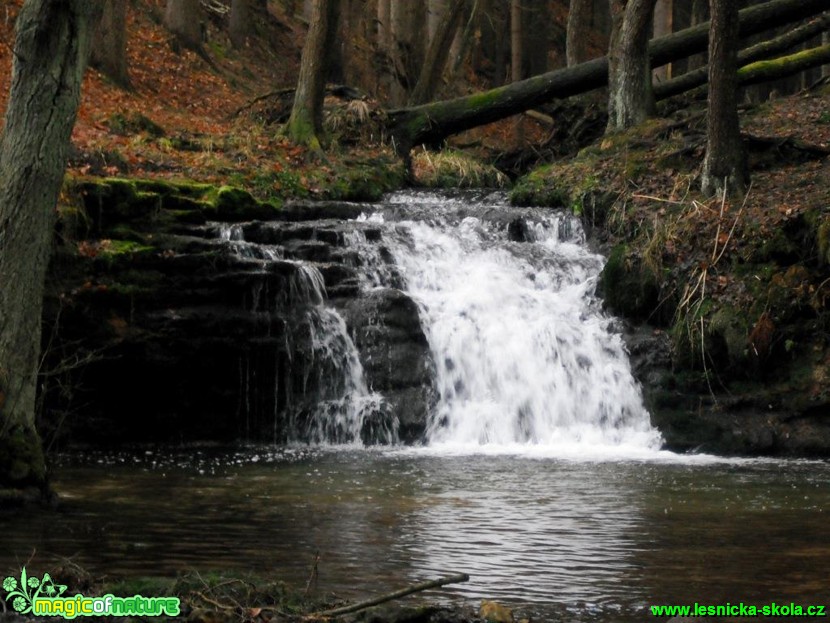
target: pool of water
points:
(589, 539)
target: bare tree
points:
(516, 40)
(408, 21)
(579, 26)
(437, 54)
(630, 100)
(109, 42)
(663, 25)
(305, 126)
(700, 14)
(50, 55)
(724, 168)
(184, 19)
(239, 22)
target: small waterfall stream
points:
(522, 354)
(344, 410)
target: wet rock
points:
(395, 355)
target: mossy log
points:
(431, 123)
(758, 52)
(764, 71)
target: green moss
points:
(728, 328)
(541, 187)
(236, 204)
(114, 248)
(21, 458)
(628, 287)
(133, 123)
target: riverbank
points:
(224, 598)
(725, 302)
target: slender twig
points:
(720, 219)
(312, 578)
(415, 588)
(732, 230)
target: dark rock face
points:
(762, 421)
(395, 355)
(183, 336)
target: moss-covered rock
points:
(628, 287)
(235, 204)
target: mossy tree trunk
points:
(431, 123)
(630, 98)
(50, 55)
(724, 167)
(305, 126)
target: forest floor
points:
(182, 119)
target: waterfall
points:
(522, 350)
(334, 404)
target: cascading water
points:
(343, 409)
(522, 350)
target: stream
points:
(538, 471)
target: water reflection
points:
(587, 539)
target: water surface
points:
(586, 539)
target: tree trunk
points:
(239, 22)
(663, 25)
(515, 40)
(724, 167)
(109, 43)
(437, 11)
(305, 126)
(630, 99)
(439, 50)
(184, 19)
(760, 51)
(516, 43)
(578, 29)
(825, 70)
(408, 35)
(432, 123)
(384, 47)
(50, 54)
(700, 14)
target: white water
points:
(524, 356)
(345, 410)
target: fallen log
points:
(409, 590)
(431, 123)
(760, 51)
(765, 71)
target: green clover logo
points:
(29, 589)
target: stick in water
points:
(415, 588)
